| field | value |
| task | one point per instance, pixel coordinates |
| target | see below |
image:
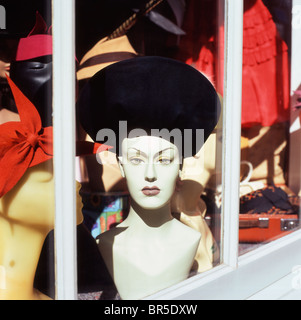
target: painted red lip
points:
(150, 191)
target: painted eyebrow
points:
(139, 152)
(162, 151)
(145, 155)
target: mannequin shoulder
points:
(110, 236)
(185, 232)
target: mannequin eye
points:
(165, 161)
(37, 67)
(136, 161)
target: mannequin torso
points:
(26, 217)
(143, 259)
(19, 255)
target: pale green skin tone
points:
(147, 162)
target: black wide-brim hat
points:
(149, 93)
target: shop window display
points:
(151, 165)
(189, 33)
(145, 38)
(269, 209)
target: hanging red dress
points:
(265, 82)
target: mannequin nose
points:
(150, 172)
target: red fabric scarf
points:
(23, 144)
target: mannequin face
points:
(31, 201)
(151, 168)
(34, 78)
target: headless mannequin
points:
(7, 115)
(26, 217)
(150, 250)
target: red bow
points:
(23, 144)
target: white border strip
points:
(64, 148)
(232, 129)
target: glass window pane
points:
(136, 247)
(269, 207)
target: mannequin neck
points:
(148, 217)
(20, 248)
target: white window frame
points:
(238, 277)
(63, 25)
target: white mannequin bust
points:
(150, 250)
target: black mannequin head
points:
(34, 78)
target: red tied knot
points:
(33, 140)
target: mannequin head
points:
(34, 78)
(163, 98)
(32, 68)
(151, 168)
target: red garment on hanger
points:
(265, 83)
